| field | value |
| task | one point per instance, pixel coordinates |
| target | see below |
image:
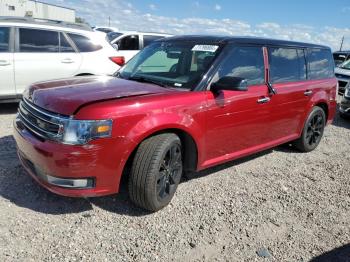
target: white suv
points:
(129, 43)
(32, 50)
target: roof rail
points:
(39, 21)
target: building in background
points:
(36, 9)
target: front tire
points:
(156, 171)
(313, 130)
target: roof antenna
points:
(342, 42)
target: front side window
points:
(84, 44)
(243, 62)
(286, 65)
(34, 40)
(4, 39)
(321, 64)
(174, 64)
(130, 42)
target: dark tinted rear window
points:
(147, 39)
(34, 40)
(4, 39)
(321, 64)
(244, 62)
(84, 44)
(287, 65)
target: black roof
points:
(210, 39)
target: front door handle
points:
(263, 100)
(67, 61)
(308, 93)
(4, 63)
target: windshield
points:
(346, 65)
(174, 64)
(113, 35)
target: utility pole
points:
(109, 21)
(342, 42)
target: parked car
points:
(343, 75)
(129, 43)
(182, 104)
(344, 109)
(36, 50)
(340, 57)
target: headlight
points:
(347, 92)
(78, 132)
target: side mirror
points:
(230, 83)
(116, 46)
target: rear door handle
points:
(4, 63)
(67, 61)
(263, 100)
(308, 93)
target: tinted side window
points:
(4, 39)
(321, 64)
(286, 65)
(84, 44)
(147, 39)
(130, 42)
(244, 62)
(65, 46)
(33, 40)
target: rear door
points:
(7, 83)
(39, 57)
(288, 77)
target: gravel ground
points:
(280, 204)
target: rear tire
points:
(313, 130)
(156, 171)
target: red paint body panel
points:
(224, 127)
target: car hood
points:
(66, 96)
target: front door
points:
(7, 83)
(40, 57)
(238, 121)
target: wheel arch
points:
(190, 149)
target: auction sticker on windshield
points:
(205, 48)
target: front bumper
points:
(345, 106)
(101, 161)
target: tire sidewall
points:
(315, 110)
(156, 202)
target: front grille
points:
(40, 122)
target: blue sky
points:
(320, 21)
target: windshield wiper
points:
(147, 80)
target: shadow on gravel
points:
(20, 189)
(10, 108)
(341, 254)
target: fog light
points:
(70, 183)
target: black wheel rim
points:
(169, 172)
(314, 130)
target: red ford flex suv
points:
(182, 104)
